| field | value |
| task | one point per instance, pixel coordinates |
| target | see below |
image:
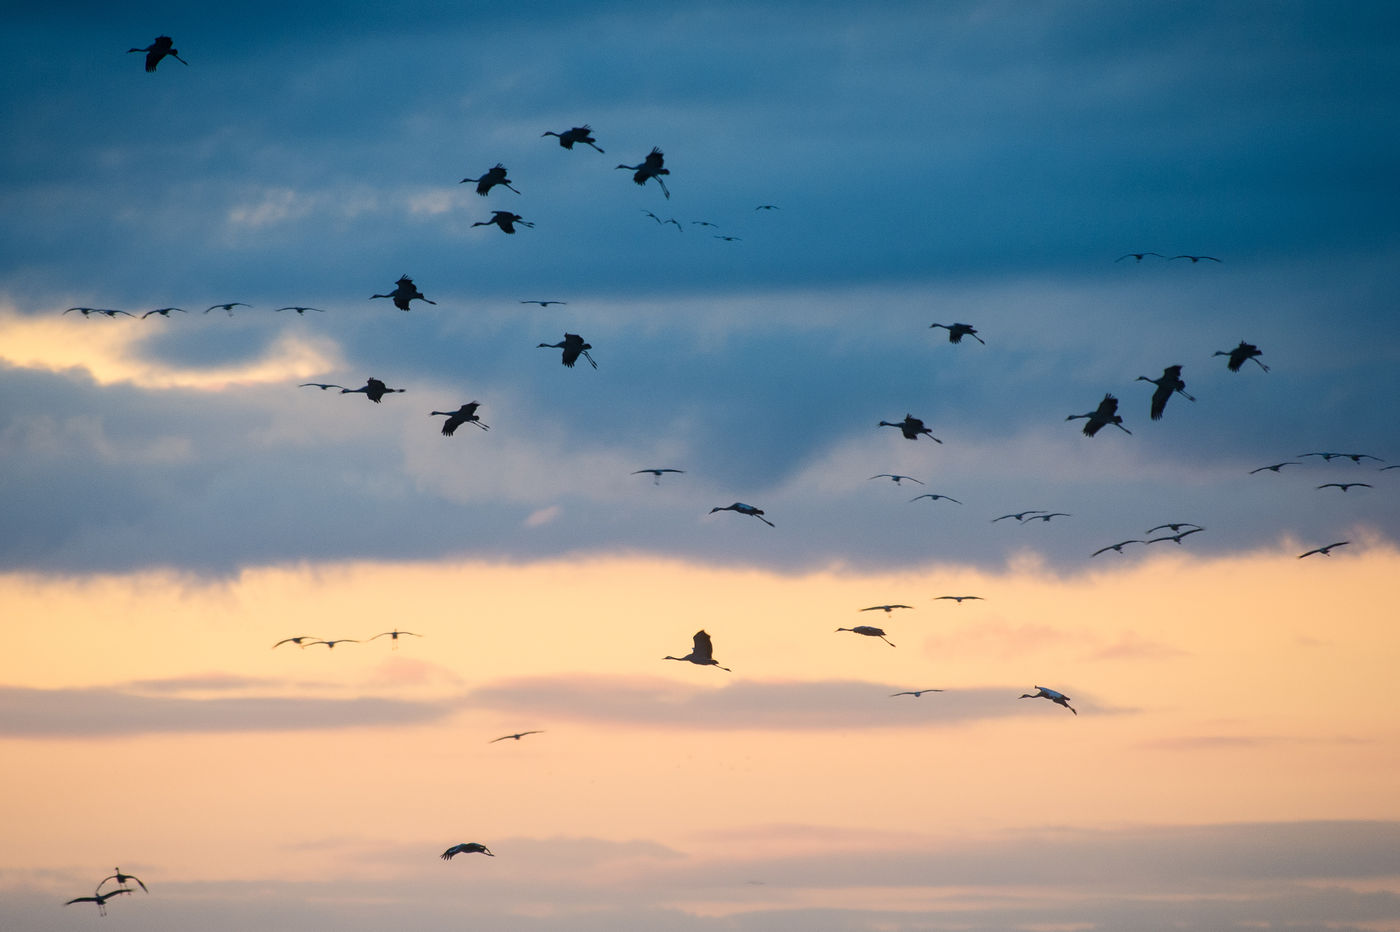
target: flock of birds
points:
(573, 346)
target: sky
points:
(176, 501)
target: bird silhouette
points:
(1195, 259)
(911, 427)
(1344, 485)
(394, 635)
(1138, 256)
(466, 414)
(1239, 354)
(505, 220)
(916, 693)
(1275, 467)
(1354, 457)
(957, 331)
(1118, 547)
(330, 645)
(1169, 382)
(494, 176)
(650, 167)
(573, 346)
(466, 847)
(85, 311)
(373, 389)
(958, 598)
(743, 509)
(1048, 515)
(1325, 551)
(1174, 526)
(164, 312)
(1105, 413)
(870, 632)
(656, 473)
(936, 496)
(728, 238)
(1019, 515)
(321, 385)
(299, 641)
(1043, 692)
(887, 609)
(301, 311)
(163, 46)
(404, 292)
(543, 303)
(701, 653)
(227, 307)
(896, 478)
(1175, 537)
(101, 898)
(517, 736)
(121, 880)
(583, 134)
(767, 207)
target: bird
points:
(1239, 354)
(1043, 692)
(505, 220)
(743, 509)
(517, 736)
(110, 312)
(227, 307)
(767, 207)
(1169, 382)
(650, 167)
(301, 311)
(958, 598)
(1325, 551)
(373, 389)
(1048, 515)
(404, 292)
(936, 496)
(1118, 547)
(543, 303)
(583, 134)
(494, 176)
(1138, 255)
(85, 311)
(911, 427)
(322, 385)
(1344, 485)
(1174, 526)
(394, 635)
(1195, 259)
(704, 223)
(573, 346)
(121, 880)
(1275, 467)
(728, 238)
(299, 641)
(702, 653)
(1354, 457)
(466, 414)
(887, 609)
(164, 312)
(896, 478)
(163, 46)
(1019, 515)
(957, 331)
(466, 847)
(1176, 537)
(1105, 413)
(870, 632)
(916, 693)
(656, 473)
(101, 898)
(331, 643)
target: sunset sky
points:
(175, 502)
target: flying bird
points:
(936, 496)
(911, 427)
(299, 641)
(330, 645)
(573, 346)
(373, 389)
(727, 238)
(1042, 692)
(1169, 383)
(494, 176)
(1174, 526)
(1325, 551)
(163, 46)
(466, 847)
(702, 653)
(1019, 515)
(1138, 255)
(1105, 413)
(656, 473)
(321, 385)
(227, 307)
(517, 736)
(404, 292)
(301, 311)
(1275, 467)
(583, 134)
(394, 635)
(1344, 485)
(505, 220)
(896, 478)
(1239, 354)
(1176, 537)
(466, 414)
(543, 303)
(767, 207)
(1195, 259)
(164, 312)
(958, 598)
(85, 311)
(1048, 515)
(101, 898)
(870, 632)
(916, 693)
(1118, 547)
(887, 609)
(650, 167)
(121, 880)
(1354, 457)
(957, 331)
(743, 509)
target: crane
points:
(494, 176)
(1239, 354)
(404, 292)
(466, 414)
(1105, 413)
(702, 653)
(330, 645)
(911, 427)
(650, 167)
(517, 736)
(887, 609)
(1118, 547)
(301, 311)
(656, 473)
(1325, 551)
(1019, 515)
(1044, 692)
(121, 880)
(373, 389)
(394, 635)
(226, 307)
(466, 847)
(936, 496)
(163, 46)
(958, 598)
(542, 303)
(164, 312)
(1275, 467)
(1195, 259)
(504, 219)
(1169, 383)
(916, 693)
(299, 641)
(957, 331)
(1344, 485)
(101, 898)
(1138, 255)
(896, 478)
(573, 346)
(583, 134)
(743, 509)
(870, 632)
